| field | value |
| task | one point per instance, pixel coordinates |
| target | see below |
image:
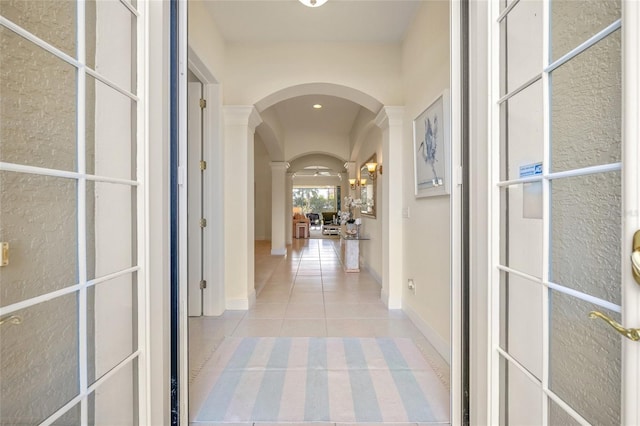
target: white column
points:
(240, 123)
(390, 121)
(278, 208)
(288, 225)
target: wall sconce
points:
(372, 168)
(363, 182)
(352, 183)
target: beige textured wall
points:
(39, 358)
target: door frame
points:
(631, 204)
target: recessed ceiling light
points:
(317, 106)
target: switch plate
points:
(411, 285)
(4, 254)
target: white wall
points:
(425, 68)
(205, 39)
(371, 250)
(255, 71)
(262, 217)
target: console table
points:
(350, 252)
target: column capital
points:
(242, 115)
(279, 165)
(389, 115)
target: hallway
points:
(305, 294)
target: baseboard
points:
(371, 272)
(434, 338)
(279, 252)
(238, 304)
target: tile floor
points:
(307, 294)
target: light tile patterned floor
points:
(306, 294)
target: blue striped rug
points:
(337, 380)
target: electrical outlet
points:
(411, 285)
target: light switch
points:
(4, 254)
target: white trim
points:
(494, 220)
(64, 56)
(441, 345)
(519, 89)
(277, 252)
(631, 206)
(507, 10)
(19, 168)
(584, 46)
(239, 304)
(130, 7)
(453, 349)
(604, 168)
(183, 190)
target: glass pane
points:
(70, 418)
(39, 221)
(521, 321)
(522, 118)
(52, 21)
(111, 323)
(37, 105)
(586, 234)
(559, 417)
(111, 228)
(584, 359)
(110, 132)
(521, 45)
(39, 361)
(575, 21)
(586, 102)
(115, 402)
(111, 42)
(520, 398)
(521, 234)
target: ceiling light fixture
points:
(313, 3)
(317, 106)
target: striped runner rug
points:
(337, 380)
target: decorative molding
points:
(389, 116)
(279, 165)
(430, 334)
(242, 115)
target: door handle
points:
(635, 257)
(629, 333)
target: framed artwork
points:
(432, 149)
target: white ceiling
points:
(289, 20)
(362, 21)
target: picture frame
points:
(432, 149)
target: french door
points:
(564, 202)
(72, 280)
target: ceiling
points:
(251, 21)
(362, 21)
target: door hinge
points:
(203, 284)
(203, 103)
(203, 223)
(203, 165)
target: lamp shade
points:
(313, 3)
(371, 167)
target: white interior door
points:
(195, 196)
(561, 220)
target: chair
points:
(314, 219)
